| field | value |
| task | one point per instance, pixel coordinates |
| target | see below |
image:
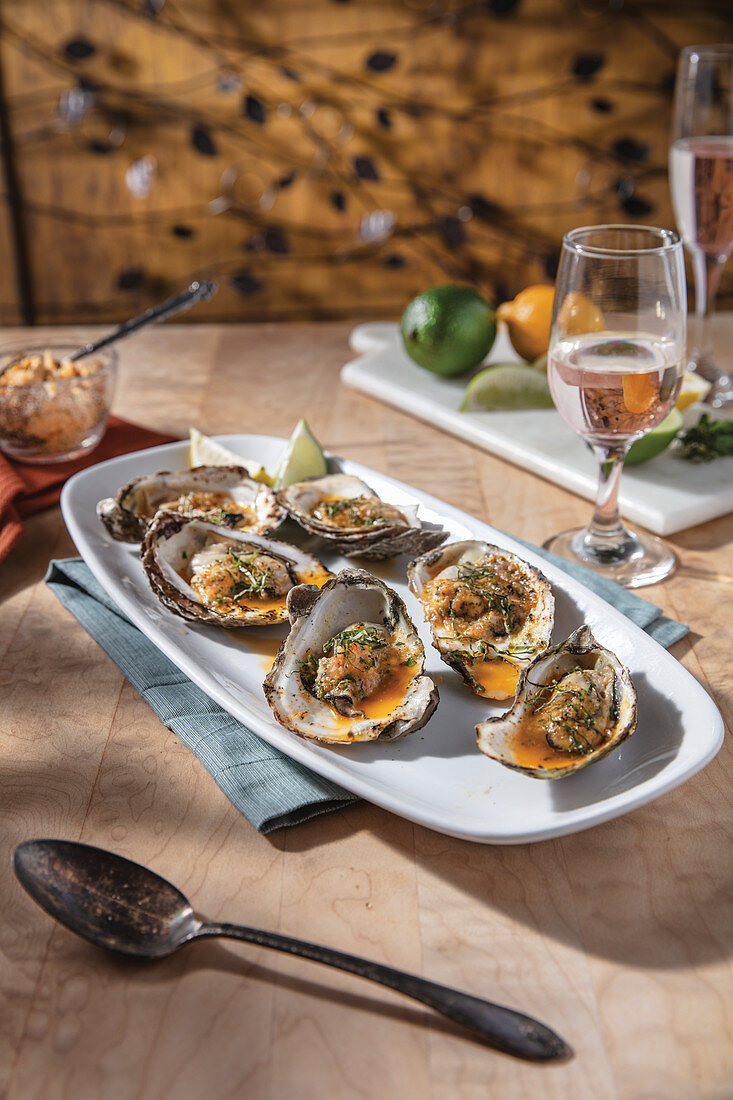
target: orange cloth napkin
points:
(27, 489)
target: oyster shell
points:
(490, 612)
(223, 492)
(351, 668)
(574, 704)
(351, 517)
(214, 574)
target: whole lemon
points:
(579, 314)
(448, 329)
(528, 318)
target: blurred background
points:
(324, 158)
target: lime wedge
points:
(655, 441)
(302, 458)
(204, 451)
(507, 386)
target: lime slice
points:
(302, 458)
(205, 451)
(507, 386)
(655, 441)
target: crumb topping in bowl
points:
(53, 409)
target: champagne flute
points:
(701, 181)
(615, 365)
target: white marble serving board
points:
(665, 495)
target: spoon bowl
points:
(105, 898)
(120, 905)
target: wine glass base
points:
(642, 560)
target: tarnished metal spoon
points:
(125, 907)
(196, 292)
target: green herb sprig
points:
(707, 440)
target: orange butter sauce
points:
(267, 645)
(390, 694)
(529, 746)
(530, 749)
(496, 675)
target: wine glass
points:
(701, 181)
(615, 365)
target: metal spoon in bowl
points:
(125, 907)
(197, 292)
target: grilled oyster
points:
(214, 574)
(351, 517)
(490, 612)
(224, 495)
(574, 704)
(351, 668)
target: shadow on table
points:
(651, 889)
(214, 957)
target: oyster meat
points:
(215, 574)
(574, 704)
(489, 611)
(224, 495)
(350, 516)
(351, 668)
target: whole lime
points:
(448, 329)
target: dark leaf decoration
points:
(636, 206)
(384, 118)
(587, 65)
(484, 208)
(202, 141)
(381, 61)
(286, 180)
(365, 168)
(551, 264)
(627, 148)
(254, 109)
(394, 260)
(185, 232)
(276, 241)
(100, 148)
(668, 82)
(87, 84)
(244, 283)
(79, 49)
(624, 186)
(338, 200)
(452, 231)
(131, 278)
(501, 7)
(602, 105)
(290, 74)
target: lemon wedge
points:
(205, 451)
(302, 458)
(694, 388)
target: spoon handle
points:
(499, 1027)
(197, 292)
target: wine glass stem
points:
(606, 530)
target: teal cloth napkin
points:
(270, 789)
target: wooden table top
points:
(620, 937)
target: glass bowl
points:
(59, 419)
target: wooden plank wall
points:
(325, 159)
